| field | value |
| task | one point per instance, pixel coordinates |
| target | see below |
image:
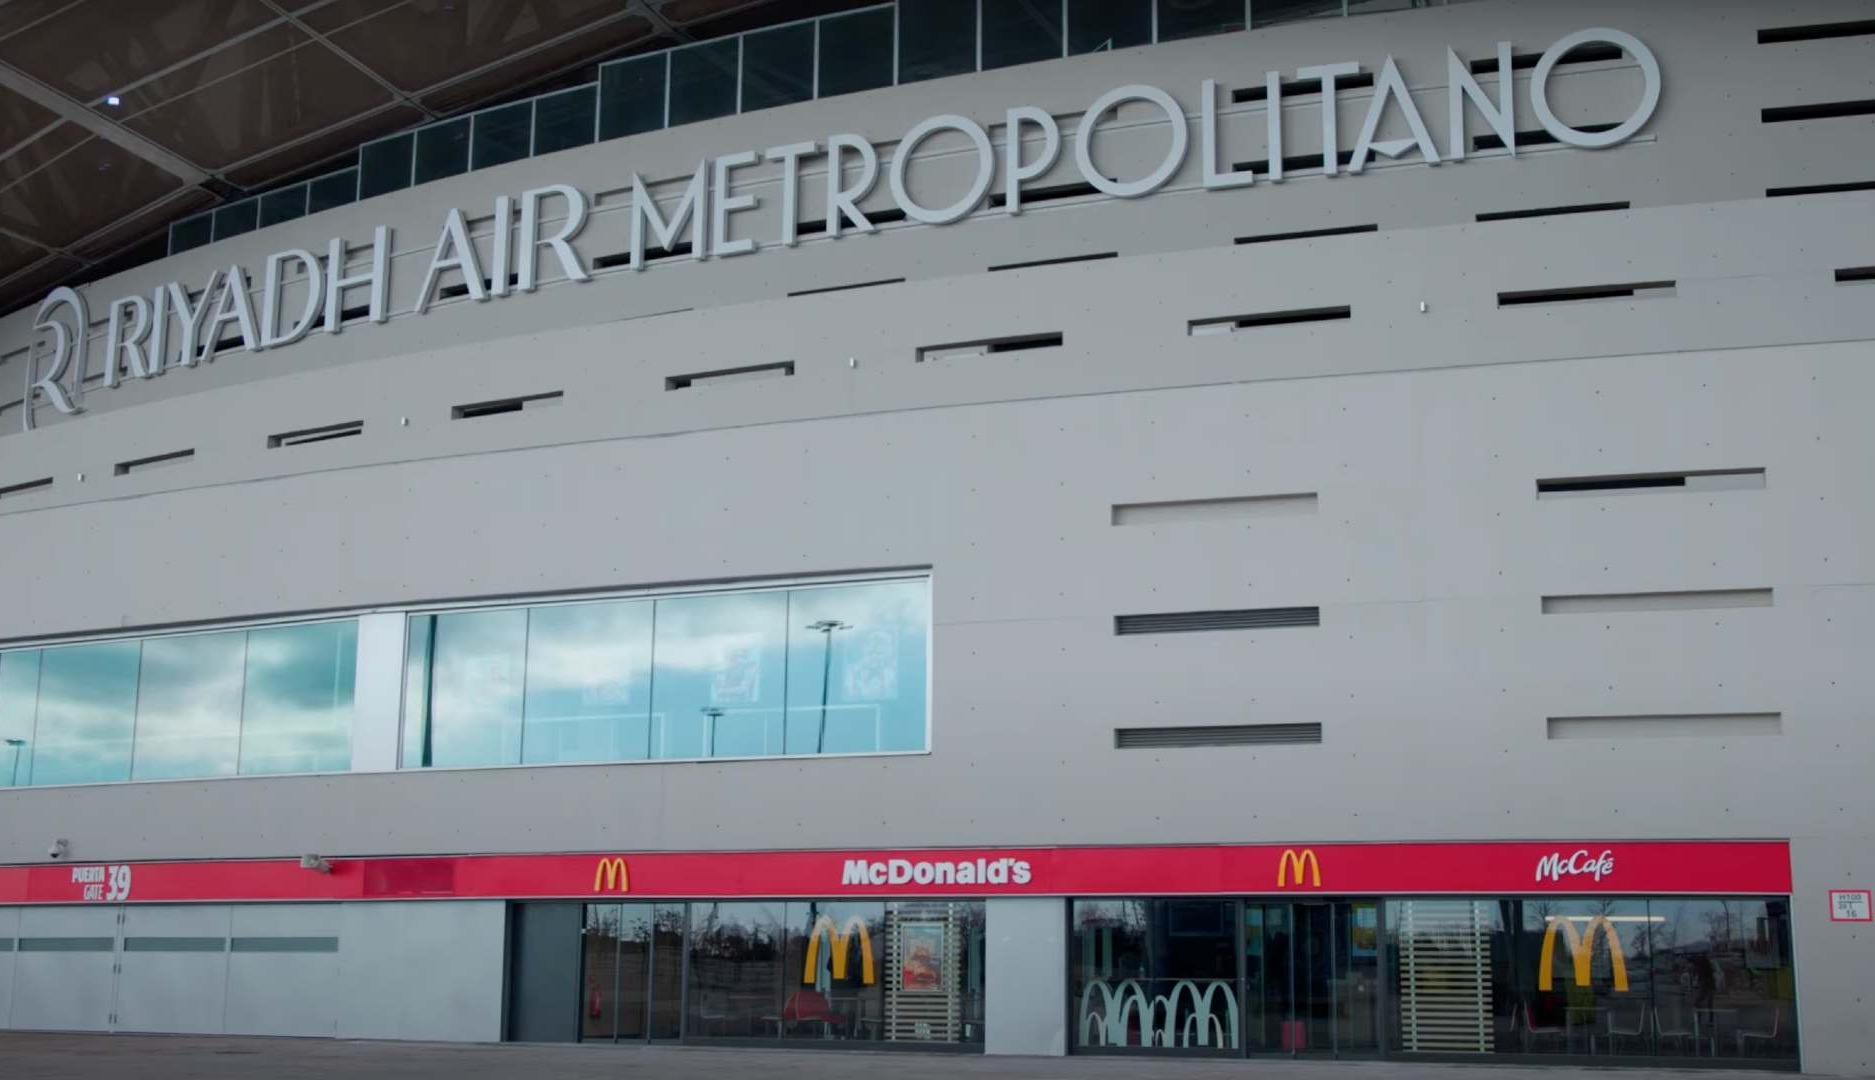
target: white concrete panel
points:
(62, 977)
(9, 930)
(283, 970)
(426, 970)
(173, 969)
(1026, 975)
(378, 692)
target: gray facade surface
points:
(1421, 424)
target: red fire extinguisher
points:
(592, 999)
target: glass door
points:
(631, 970)
(1311, 977)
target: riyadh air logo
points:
(1297, 863)
(933, 872)
(1556, 866)
(610, 876)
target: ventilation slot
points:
(1636, 290)
(1206, 510)
(1063, 261)
(1553, 211)
(125, 468)
(450, 292)
(1184, 622)
(1592, 53)
(845, 288)
(1051, 193)
(1819, 189)
(1302, 88)
(730, 375)
(1633, 483)
(966, 349)
(1231, 323)
(317, 434)
(354, 313)
(1539, 137)
(1666, 726)
(1294, 164)
(1307, 234)
(1779, 35)
(1606, 603)
(504, 405)
(877, 217)
(25, 486)
(1855, 273)
(1174, 738)
(1828, 110)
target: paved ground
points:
(179, 1057)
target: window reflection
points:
(296, 715)
(19, 701)
(820, 670)
(189, 706)
(87, 713)
(718, 686)
(588, 683)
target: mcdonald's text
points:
(921, 872)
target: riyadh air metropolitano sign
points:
(176, 327)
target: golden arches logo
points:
(611, 876)
(837, 938)
(1581, 951)
(1298, 862)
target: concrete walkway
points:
(29, 1056)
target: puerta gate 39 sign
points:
(174, 327)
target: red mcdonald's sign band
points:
(1507, 868)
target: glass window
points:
(191, 233)
(936, 38)
(856, 668)
(442, 150)
(737, 965)
(1105, 25)
(1154, 973)
(833, 982)
(338, 189)
(588, 683)
(502, 135)
(283, 205)
(418, 672)
(1196, 18)
(19, 701)
(1271, 12)
(1629, 977)
(717, 689)
(565, 120)
(476, 668)
(631, 95)
(703, 81)
(778, 67)
(296, 713)
(236, 218)
(384, 166)
(855, 52)
(87, 713)
(1020, 32)
(188, 707)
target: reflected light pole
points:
(15, 744)
(714, 713)
(827, 627)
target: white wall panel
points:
(422, 970)
(63, 978)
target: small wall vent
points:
(125, 468)
(1552, 211)
(1301, 88)
(1667, 726)
(478, 409)
(1185, 622)
(964, 349)
(1823, 110)
(1615, 603)
(1307, 234)
(1819, 189)
(1177, 738)
(730, 375)
(25, 486)
(1855, 273)
(848, 288)
(316, 434)
(1593, 52)
(1206, 510)
(1232, 323)
(1537, 137)
(1630, 290)
(1062, 261)
(1641, 483)
(1778, 35)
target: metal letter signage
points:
(1297, 862)
(610, 876)
(140, 342)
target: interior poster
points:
(922, 947)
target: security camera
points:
(314, 863)
(58, 849)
